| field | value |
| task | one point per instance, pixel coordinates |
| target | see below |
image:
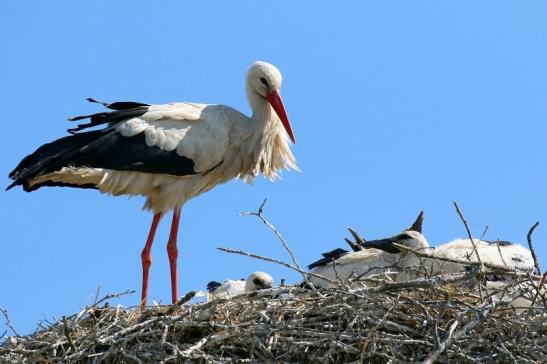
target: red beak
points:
(274, 98)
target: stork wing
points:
(196, 131)
(328, 257)
(177, 139)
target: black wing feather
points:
(111, 117)
(211, 286)
(122, 110)
(118, 105)
(104, 148)
(328, 257)
(500, 242)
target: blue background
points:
(397, 107)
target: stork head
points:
(257, 281)
(264, 81)
(411, 238)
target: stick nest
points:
(441, 319)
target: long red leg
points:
(173, 253)
(147, 259)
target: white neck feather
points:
(266, 144)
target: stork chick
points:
(375, 257)
(254, 282)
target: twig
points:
(164, 335)
(127, 330)
(260, 215)
(97, 303)
(8, 321)
(484, 232)
(529, 238)
(336, 272)
(538, 291)
(470, 325)
(216, 337)
(97, 295)
(66, 330)
(272, 260)
(468, 231)
(114, 295)
(506, 351)
(501, 255)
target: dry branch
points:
(468, 230)
(8, 321)
(529, 239)
(272, 260)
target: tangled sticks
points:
(441, 318)
(429, 320)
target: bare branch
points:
(260, 215)
(529, 238)
(272, 260)
(97, 295)
(114, 295)
(539, 288)
(8, 321)
(468, 231)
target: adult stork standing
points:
(168, 153)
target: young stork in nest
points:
(368, 258)
(497, 283)
(255, 282)
(500, 253)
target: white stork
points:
(499, 252)
(369, 258)
(255, 282)
(168, 153)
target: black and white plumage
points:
(494, 253)
(374, 257)
(254, 282)
(499, 253)
(168, 153)
(328, 257)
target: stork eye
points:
(258, 282)
(263, 80)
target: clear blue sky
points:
(397, 107)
